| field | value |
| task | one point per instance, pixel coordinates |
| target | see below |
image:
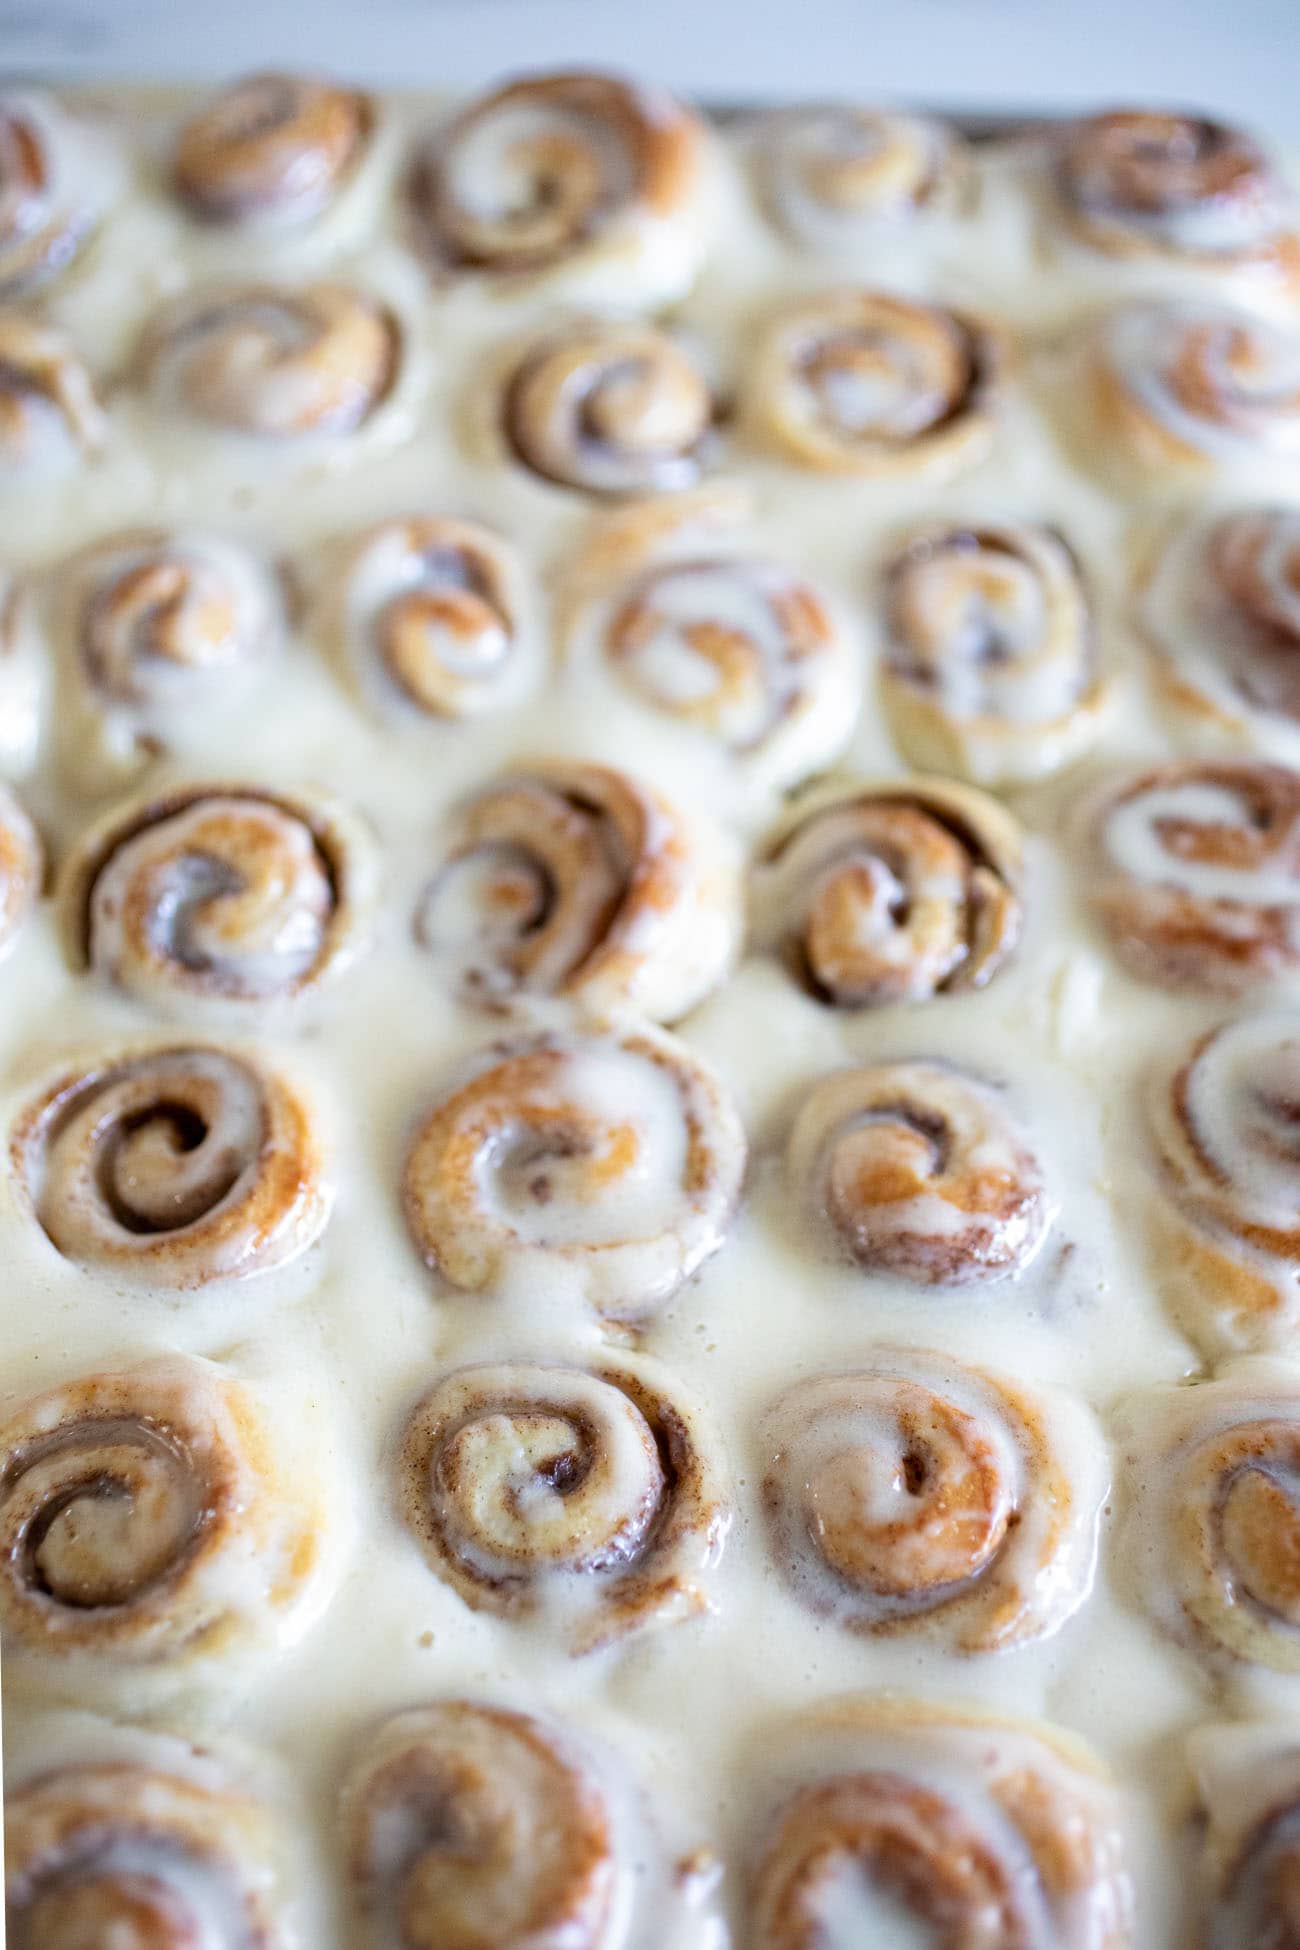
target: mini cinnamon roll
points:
(51, 191)
(608, 408)
(1219, 603)
(714, 637)
(50, 416)
(859, 382)
(991, 668)
(919, 1172)
(1248, 1782)
(173, 1165)
(432, 620)
(893, 892)
(595, 1494)
(21, 868)
(271, 361)
(467, 1825)
(1183, 390)
(1194, 868)
(1211, 1536)
(920, 1494)
(586, 181)
(157, 629)
(271, 151)
(1227, 1158)
(576, 880)
(940, 1823)
(838, 178)
(613, 1160)
(222, 900)
(143, 1856)
(148, 1527)
(1148, 183)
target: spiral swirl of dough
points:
(273, 362)
(598, 1493)
(991, 668)
(920, 1494)
(608, 408)
(50, 416)
(50, 192)
(611, 1160)
(21, 867)
(146, 1524)
(219, 900)
(919, 1172)
(576, 880)
(835, 176)
(944, 1825)
(860, 382)
(891, 892)
(583, 180)
(271, 150)
(173, 1165)
(1248, 1781)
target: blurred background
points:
(1240, 56)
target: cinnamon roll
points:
(52, 184)
(893, 892)
(50, 416)
(173, 1165)
(611, 1160)
(1211, 1535)
(222, 900)
(142, 1854)
(595, 1494)
(608, 408)
(910, 1820)
(147, 1526)
(157, 629)
(918, 1493)
(21, 867)
(432, 620)
(1194, 868)
(576, 880)
(859, 382)
(271, 361)
(1185, 389)
(586, 181)
(1219, 604)
(991, 666)
(1138, 183)
(1223, 1132)
(1248, 1782)
(918, 1172)
(712, 636)
(839, 178)
(467, 1825)
(271, 151)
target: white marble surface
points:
(1241, 56)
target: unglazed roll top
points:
(991, 667)
(838, 178)
(273, 362)
(859, 382)
(917, 1171)
(607, 1164)
(220, 900)
(145, 1857)
(939, 1825)
(596, 1496)
(149, 1532)
(51, 420)
(21, 863)
(609, 409)
(1212, 1532)
(52, 184)
(918, 1494)
(271, 150)
(584, 180)
(1195, 870)
(889, 893)
(173, 1165)
(576, 880)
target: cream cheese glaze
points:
(1063, 1034)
